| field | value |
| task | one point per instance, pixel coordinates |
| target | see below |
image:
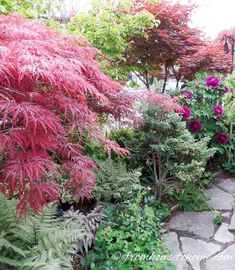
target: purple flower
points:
(212, 81)
(186, 112)
(195, 126)
(187, 93)
(226, 90)
(218, 110)
(222, 138)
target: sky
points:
(212, 16)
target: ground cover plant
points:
(132, 228)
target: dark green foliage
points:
(41, 242)
(229, 167)
(114, 182)
(135, 228)
(206, 179)
(128, 138)
(191, 198)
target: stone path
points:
(196, 242)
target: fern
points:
(114, 182)
(91, 222)
(42, 242)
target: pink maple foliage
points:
(50, 85)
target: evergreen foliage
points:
(166, 149)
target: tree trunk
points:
(177, 83)
(165, 78)
(146, 77)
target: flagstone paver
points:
(232, 223)
(194, 235)
(177, 256)
(219, 199)
(226, 215)
(227, 185)
(224, 260)
(223, 235)
(198, 223)
(196, 250)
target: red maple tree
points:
(168, 42)
(209, 57)
(50, 87)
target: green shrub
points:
(134, 228)
(114, 182)
(167, 151)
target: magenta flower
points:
(186, 112)
(212, 81)
(218, 110)
(195, 126)
(226, 90)
(222, 138)
(187, 93)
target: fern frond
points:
(41, 242)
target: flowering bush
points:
(204, 99)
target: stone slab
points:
(198, 223)
(227, 185)
(232, 223)
(196, 250)
(171, 242)
(224, 260)
(223, 235)
(226, 215)
(219, 199)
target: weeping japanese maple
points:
(49, 87)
